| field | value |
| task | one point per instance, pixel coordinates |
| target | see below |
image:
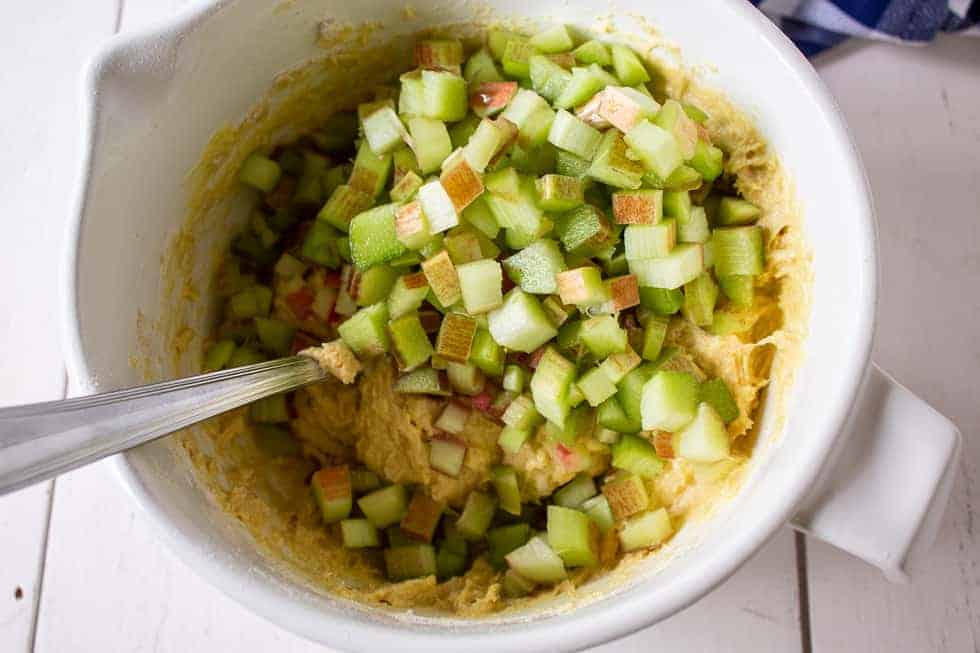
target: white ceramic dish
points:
(863, 463)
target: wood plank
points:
(915, 116)
(756, 610)
(42, 47)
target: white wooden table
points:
(82, 571)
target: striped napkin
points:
(815, 25)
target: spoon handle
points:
(40, 441)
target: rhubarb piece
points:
(466, 379)
(596, 386)
(593, 52)
(603, 336)
(623, 107)
(374, 285)
(438, 207)
(611, 415)
(421, 517)
(411, 98)
(411, 226)
(673, 119)
(670, 400)
(371, 170)
(738, 250)
(655, 147)
(662, 301)
(708, 160)
(344, 203)
(411, 561)
(550, 385)
(504, 539)
(637, 456)
(407, 294)
(484, 144)
(481, 286)
(617, 366)
(738, 288)
(508, 493)
(677, 204)
(520, 323)
(260, 172)
(623, 291)
(557, 312)
(486, 354)
(218, 355)
(439, 54)
(629, 69)
(516, 58)
(463, 246)
(275, 335)
(548, 78)
(573, 536)
(704, 439)
(332, 491)
(308, 195)
(525, 104)
(446, 454)
(254, 301)
(579, 424)
(535, 267)
(373, 238)
(570, 165)
(654, 334)
(444, 95)
(574, 493)
(626, 495)
(537, 562)
(359, 534)
(581, 286)
(455, 337)
(612, 166)
(443, 279)
(453, 418)
(488, 98)
(583, 230)
(476, 516)
(733, 211)
(572, 135)
(682, 179)
(598, 510)
(430, 142)
(531, 137)
(646, 530)
(514, 378)
(406, 187)
(410, 344)
(554, 39)
(521, 413)
(424, 381)
(559, 193)
(663, 442)
(638, 207)
(700, 296)
(684, 263)
(630, 392)
(452, 557)
(363, 481)
(381, 127)
(695, 228)
(365, 332)
(478, 215)
(384, 507)
(461, 183)
(585, 83)
(320, 245)
(512, 439)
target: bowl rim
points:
(631, 611)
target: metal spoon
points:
(40, 441)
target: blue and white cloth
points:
(815, 25)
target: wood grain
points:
(916, 116)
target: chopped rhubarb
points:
(490, 98)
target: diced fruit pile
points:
(517, 229)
